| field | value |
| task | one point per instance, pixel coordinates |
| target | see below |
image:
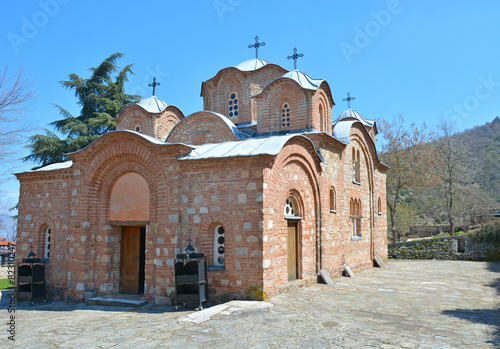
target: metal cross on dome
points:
(256, 45)
(154, 84)
(348, 99)
(295, 56)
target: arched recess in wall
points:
(276, 94)
(363, 143)
(45, 240)
(230, 90)
(127, 154)
(210, 244)
(333, 200)
(130, 199)
(301, 153)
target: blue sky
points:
(420, 58)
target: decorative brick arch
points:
(166, 123)
(233, 81)
(133, 116)
(363, 141)
(300, 152)
(39, 241)
(266, 75)
(322, 102)
(110, 164)
(284, 91)
(207, 226)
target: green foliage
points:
(5, 284)
(101, 100)
(489, 233)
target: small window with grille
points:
(232, 105)
(219, 246)
(285, 115)
(46, 253)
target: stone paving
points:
(407, 304)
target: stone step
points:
(116, 302)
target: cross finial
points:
(349, 99)
(256, 45)
(154, 84)
(189, 240)
(295, 56)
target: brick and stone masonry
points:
(166, 172)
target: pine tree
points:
(101, 97)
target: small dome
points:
(304, 80)
(251, 64)
(350, 114)
(153, 105)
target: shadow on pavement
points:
(484, 316)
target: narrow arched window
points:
(358, 218)
(333, 200)
(355, 214)
(233, 105)
(219, 246)
(46, 251)
(285, 115)
(321, 120)
(379, 206)
(356, 167)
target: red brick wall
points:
(200, 128)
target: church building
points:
(262, 181)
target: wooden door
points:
(292, 251)
(130, 259)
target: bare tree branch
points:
(408, 155)
(16, 96)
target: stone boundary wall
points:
(428, 230)
(444, 248)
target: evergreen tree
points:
(101, 97)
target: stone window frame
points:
(355, 215)
(333, 200)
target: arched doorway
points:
(129, 209)
(292, 216)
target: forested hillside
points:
(484, 143)
(475, 177)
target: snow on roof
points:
(250, 147)
(53, 167)
(304, 80)
(350, 113)
(251, 64)
(153, 105)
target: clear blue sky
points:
(420, 58)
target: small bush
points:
(489, 233)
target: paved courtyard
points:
(407, 304)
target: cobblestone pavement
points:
(407, 304)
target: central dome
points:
(252, 64)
